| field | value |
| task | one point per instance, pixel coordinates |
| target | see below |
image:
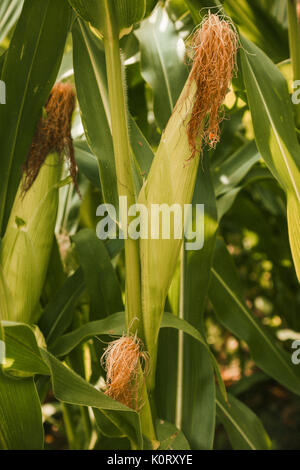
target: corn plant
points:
(113, 336)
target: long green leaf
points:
(162, 61)
(22, 353)
(112, 325)
(90, 67)
(91, 88)
(100, 277)
(170, 438)
(259, 26)
(227, 175)
(115, 325)
(58, 314)
(29, 71)
(198, 394)
(243, 427)
(21, 425)
(9, 13)
(272, 115)
(227, 298)
(69, 387)
(87, 162)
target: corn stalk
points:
(294, 41)
(122, 151)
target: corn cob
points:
(28, 238)
(172, 176)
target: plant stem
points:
(145, 412)
(68, 426)
(122, 151)
(294, 41)
(84, 411)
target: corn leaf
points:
(226, 295)
(150, 4)
(276, 139)
(57, 315)
(244, 429)
(100, 277)
(230, 173)
(170, 438)
(90, 67)
(87, 162)
(259, 26)
(106, 427)
(166, 390)
(36, 47)
(115, 324)
(162, 62)
(22, 352)
(198, 384)
(21, 425)
(9, 13)
(69, 387)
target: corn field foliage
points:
(109, 98)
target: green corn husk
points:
(173, 173)
(126, 12)
(171, 180)
(26, 246)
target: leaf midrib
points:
(261, 333)
(102, 92)
(235, 424)
(164, 72)
(285, 158)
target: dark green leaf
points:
(274, 127)
(70, 388)
(243, 427)
(21, 425)
(170, 437)
(23, 356)
(29, 71)
(91, 88)
(58, 314)
(9, 13)
(162, 61)
(259, 26)
(87, 162)
(198, 415)
(227, 299)
(112, 325)
(100, 277)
